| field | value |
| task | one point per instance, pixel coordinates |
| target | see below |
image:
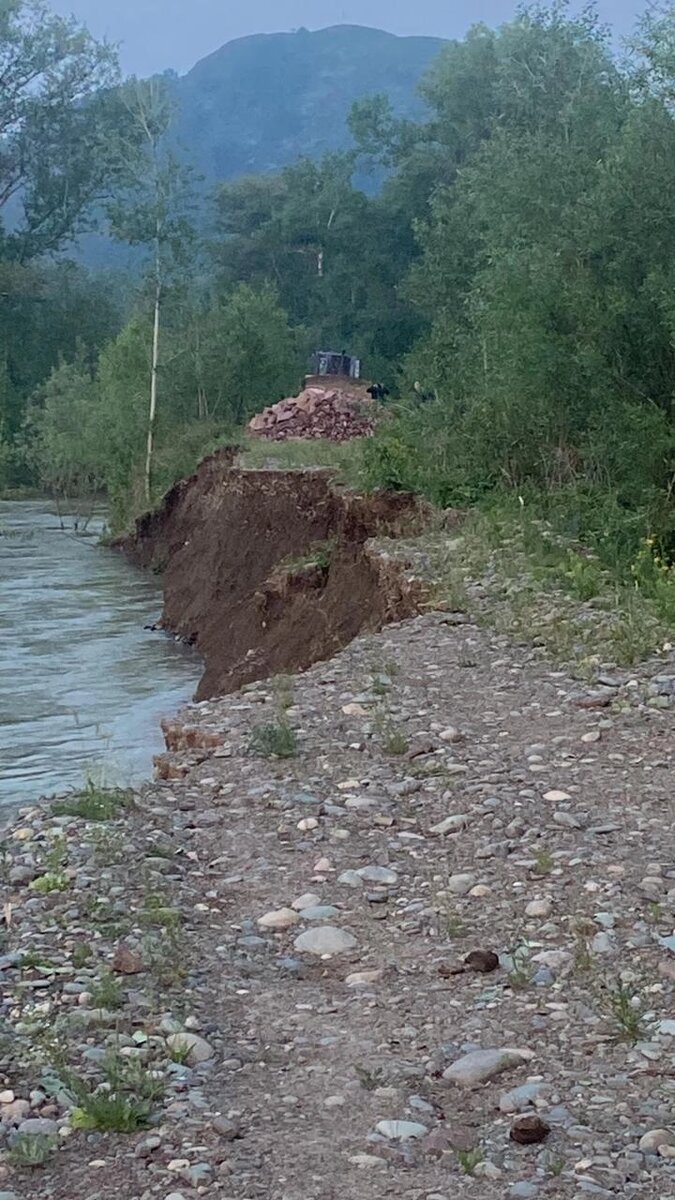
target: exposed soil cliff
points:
(271, 571)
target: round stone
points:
(325, 939)
(401, 1130)
(280, 919)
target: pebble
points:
(197, 1048)
(401, 1130)
(378, 875)
(461, 885)
(539, 908)
(557, 797)
(529, 1130)
(325, 939)
(280, 919)
(451, 734)
(363, 978)
(319, 912)
(524, 1190)
(452, 824)
(650, 1142)
(521, 1098)
(350, 878)
(7, 1097)
(38, 1127)
(481, 1065)
(308, 900)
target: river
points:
(83, 683)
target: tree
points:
(153, 212)
(61, 123)
(65, 443)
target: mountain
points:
(260, 102)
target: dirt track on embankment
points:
(285, 949)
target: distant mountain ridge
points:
(260, 102)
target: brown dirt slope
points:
(270, 571)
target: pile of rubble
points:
(337, 411)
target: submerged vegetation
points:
(511, 282)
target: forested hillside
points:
(259, 103)
(518, 266)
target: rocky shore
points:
(400, 926)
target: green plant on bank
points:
(108, 845)
(343, 458)
(544, 862)
(51, 881)
(520, 974)
(33, 960)
(94, 803)
(391, 737)
(107, 993)
(625, 1006)
(469, 1159)
(81, 955)
(123, 1103)
(319, 555)
(274, 739)
(282, 687)
(535, 587)
(157, 912)
(164, 954)
(450, 922)
(370, 1078)
(31, 1150)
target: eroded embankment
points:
(271, 571)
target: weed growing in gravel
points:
(108, 846)
(82, 954)
(469, 1159)
(94, 803)
(123, 1103)
(275, 739)
(52, 881)
(370, 1079)
(625, 1006)
(31, 1150)
(392, 739)
(33, 959)
(544, 862)
(583, 959)
(282, 686)
(449, 920)
(520, 975)
(158, 912)
(107, 993)
(164, 956)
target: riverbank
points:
(446, 791)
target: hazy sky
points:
(156, 34)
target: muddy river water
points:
(83, 683)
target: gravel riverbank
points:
(268, 966)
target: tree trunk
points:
(153, 378)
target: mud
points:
(268, 572)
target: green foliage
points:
(94, 803)
(123, 1103)
(31, 1150)
(107, 993)
(275, 739)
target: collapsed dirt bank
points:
(267, 572)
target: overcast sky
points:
(156, 34)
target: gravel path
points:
(450, 794)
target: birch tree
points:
(154, 213)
